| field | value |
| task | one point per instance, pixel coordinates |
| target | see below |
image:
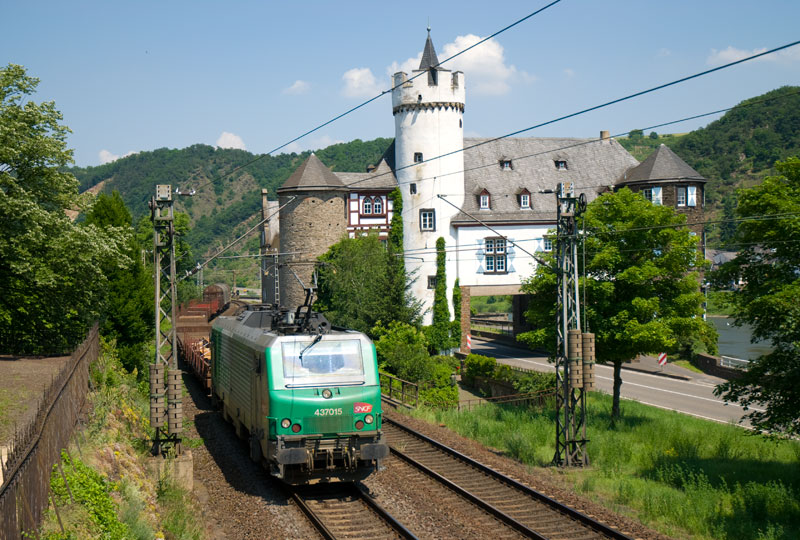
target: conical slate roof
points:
(312, 175)
(429, 59)
(663, 165)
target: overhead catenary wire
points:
(584, 111)
(374, 98)
(493, 163)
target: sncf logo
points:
(362, 407)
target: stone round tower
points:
(428, 117)
(312, 220)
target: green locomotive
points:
(306, 395)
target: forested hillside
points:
(737, 150)
(223, 200)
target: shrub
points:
(402, 351)
(477, 365)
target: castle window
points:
(680, 195)
(561, 165)
(524, 200)
(548, 244)
(647, 193)
(412, 189)
(367, 205)
(459, 123)
(427, 219)
(505, 164)
(431, 282)
(495, 249)
(377, 205)
(417, 157)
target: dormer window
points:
(484, 200)
(524, 198)
(561, 164)
(505, 165)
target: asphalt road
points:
(694, 397)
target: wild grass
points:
(680, 475)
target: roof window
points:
(561, 164)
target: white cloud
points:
(569, 72)
(731, 54)
(408, 66)
(107, 157)
(230, 140)
(484, 66)
(663, 52)
(299, 87)
(360, 82)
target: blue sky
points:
(133, 76)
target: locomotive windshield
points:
(325, 362)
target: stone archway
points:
(519, 305)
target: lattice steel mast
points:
(166, 359)
(575, 351)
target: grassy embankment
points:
(115, 497)
(680, 475)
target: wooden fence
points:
(37, 446)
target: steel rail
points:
(552, 503)
(359, 493)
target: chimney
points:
(604, 135)
(371, 168)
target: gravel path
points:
(239, 499)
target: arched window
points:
(377, 205)
(367, 205)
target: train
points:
(193, 329)
(304, 394)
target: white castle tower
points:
(428, 118)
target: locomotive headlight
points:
(327, 394)
(369, 419)
(285, 423)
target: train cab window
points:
(326, 362)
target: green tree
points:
(128, 317)
(353, 283)
(407, 307)
(439, 333)
(50, 268)
(402, 349)
(768, 265)
(642, 290)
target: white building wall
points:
(471, 253)
(429, 120)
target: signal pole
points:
(572, 366)
(165, 362)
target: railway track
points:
(345, 511)
(527, 511)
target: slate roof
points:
(381, 178)
(429, 59)
(592, 166)
(312, 175)
(662, 166)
